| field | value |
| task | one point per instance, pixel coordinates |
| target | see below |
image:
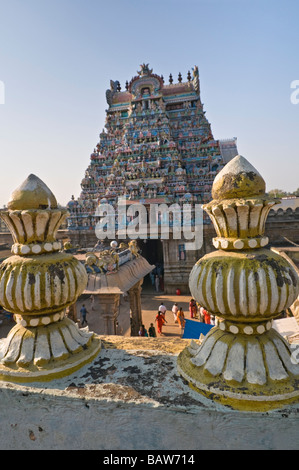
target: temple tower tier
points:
(157, 147)
(243, 362)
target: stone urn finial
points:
(243, 362)
(37, 284)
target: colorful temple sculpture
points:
(38, 283)
(157, 147)
(243, 362)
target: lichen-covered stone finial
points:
(243, 362)
(238, 179)
(37, 285)
(240, 207)
(33, 193)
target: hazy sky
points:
(57, 58)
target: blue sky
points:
(57, 58)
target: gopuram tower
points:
(157, 148)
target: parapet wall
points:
(130, 398)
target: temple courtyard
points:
(150, 302)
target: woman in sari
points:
(160, 322)
(181, 318)
(192, 308)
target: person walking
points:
(152, 276)
(201, 315)
(162, 309)
(207, 317)
(192, 308)
(181, 319)
(160, 322)
(83, 312)
(157, 283)
(175, 310)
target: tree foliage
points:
(282, 193)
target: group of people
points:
(150, 332)
(157, 277)
(178, 315)
(196, 311)
(160, 321)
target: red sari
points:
(207, 317)
(160, 322)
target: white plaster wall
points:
(39, 422)
(131, 397)
(43, 421)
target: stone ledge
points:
(132, 397)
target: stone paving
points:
(150, 303)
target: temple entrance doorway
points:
(152, 251)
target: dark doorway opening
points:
(152, 251)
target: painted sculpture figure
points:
(243, 362)
(37, 284)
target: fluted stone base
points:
(42, 353)
(254, 373)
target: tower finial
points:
(33, 193)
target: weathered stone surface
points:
(33, 193)
(238, 179)
(132, 397)
(246, 285)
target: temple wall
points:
(115, 403)
(280, 227)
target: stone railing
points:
(243, 362)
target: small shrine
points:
(114, 274)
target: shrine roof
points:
(120, 281)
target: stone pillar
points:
(37, 285)
(107, 307)
(243, 362)
(135, 307)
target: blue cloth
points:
(193, 329)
